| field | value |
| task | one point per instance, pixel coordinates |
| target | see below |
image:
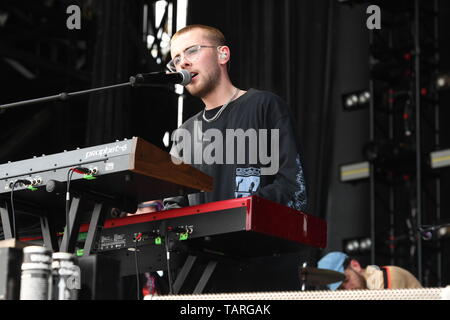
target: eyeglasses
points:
(190, 54)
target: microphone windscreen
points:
(187, 78)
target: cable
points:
(137, 270)
(12, 210)
(166, 243)
(69, 177)
(80, 170)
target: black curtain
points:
(120, 52)
(283, 47)
(109, 115)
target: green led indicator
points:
(158, 240)
(80, 252)
(31, 188)
(82, 236)
(89, 177)
(184, 236)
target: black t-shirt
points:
(250, 149)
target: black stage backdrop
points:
(119, 53)
(109, 113)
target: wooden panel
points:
(154, 162)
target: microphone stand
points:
(134, 82)
(65, 96)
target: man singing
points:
(231, 139)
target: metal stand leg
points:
(49, 233)
(68, 243)
(94, 226)
(187, 266)
(6, 222)
(205, 277)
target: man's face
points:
(205, 69)
(353, 280)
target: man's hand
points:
(148, 207)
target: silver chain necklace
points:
(221, 109)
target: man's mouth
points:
(194, 74)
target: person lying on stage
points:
(372, 277)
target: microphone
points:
(183, 78)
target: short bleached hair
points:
(213, 34)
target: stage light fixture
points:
(440, 159)
(356, 100)
(443, 82)
(364, 97)
(3, 18)
(435, 231)
(392, 155)
(354, 171)
(443, 232)
(354, 246)
(365, 244)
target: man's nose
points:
(184, 63)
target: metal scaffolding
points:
(404, 130)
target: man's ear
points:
(355, 265)
(224, 54)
